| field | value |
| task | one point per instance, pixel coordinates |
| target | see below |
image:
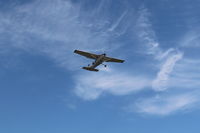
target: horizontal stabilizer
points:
(90, 69)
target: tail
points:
(90, 69)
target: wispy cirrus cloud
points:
(186, 75)
(161, 81)
(56, 27)
(145, 32)
(167, 58)
(177, 73)
(34, 27)
(112, 82)
(168, 67)
(166, 104)
(191, 39)
(117, 23)
(167, 63)
(53, 28)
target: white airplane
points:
(99, 59)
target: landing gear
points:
(104, 65)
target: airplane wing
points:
(86, 54)
(109, 59)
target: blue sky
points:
(43, 89)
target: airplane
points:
(99, 59)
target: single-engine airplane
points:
(99, 59)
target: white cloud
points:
(116, 24)
(186, 74)
(165, 54)
(191, 39)
(161, 81)
(148, 37)
(91, 86)
(54, 28)
(145, 32)
(165, 105)
(179, 75)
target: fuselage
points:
(98, 61)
